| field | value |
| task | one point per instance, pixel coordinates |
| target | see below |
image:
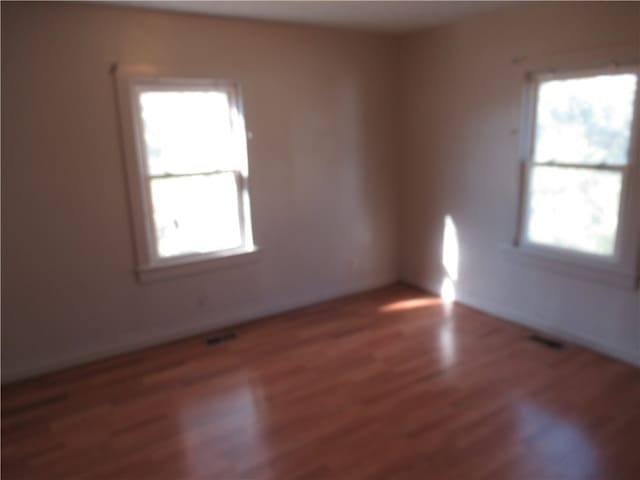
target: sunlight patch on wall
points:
(448, 291)
(450, 260)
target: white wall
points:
(326, 108)
(321, 176)
(462, 111)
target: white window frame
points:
(619, 269)
(131, 81)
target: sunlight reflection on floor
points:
(447, 348)
(239, 402)
(410, 304)
(563, 443)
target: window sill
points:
(605, 276)
(197, 264)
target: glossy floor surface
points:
(391, 384)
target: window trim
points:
(622, 267)
(130, 81)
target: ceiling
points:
(384, 16)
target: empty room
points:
(320, 240)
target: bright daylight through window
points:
(579, 158)
(193, 167)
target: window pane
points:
(574, 208)
(187, 132)
(585, 120)
(196, 214)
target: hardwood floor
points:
(390, 384)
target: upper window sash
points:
(140, 86)
(530, 102)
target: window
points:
(187, 168)
(577, 165)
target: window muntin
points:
(579, 158)
(193, 166)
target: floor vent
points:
(223, 337)
(547, 342)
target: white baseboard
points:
(543, 326)
(199, 325)
(209, 322)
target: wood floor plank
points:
(386, 384)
